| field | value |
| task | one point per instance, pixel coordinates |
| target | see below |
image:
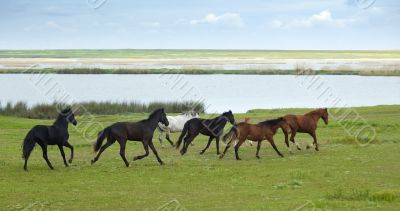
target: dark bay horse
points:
(208, 127)
(306, 123)
(254, 132)
(56, 134)
(133, 131)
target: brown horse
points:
(306, 123)
(255, 132)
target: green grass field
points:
(341, 176)
(182, 54)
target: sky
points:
(200, 24)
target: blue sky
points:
(200, 24)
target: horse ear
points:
(230, 111)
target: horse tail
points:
(184, 131)
(232, 131)
(286, 127)
(28, 144)
(100, 138)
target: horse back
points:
(49, 134)
(300, 123)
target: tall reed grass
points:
(50, 110)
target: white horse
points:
(176, 124)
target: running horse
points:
(255, 132)
(306, 123)
(213, 128)
(134, 131)
(56, 134)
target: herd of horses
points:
(188, 123)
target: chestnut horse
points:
(306, 123)
(255, 132)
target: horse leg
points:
(160, 136)
(287, 141)
(208, 145)
(168, 139)
(68, 145)
(146, 149)
(217, 144)
(122, 146)
(44, 149)
(272, 142)
(60, 147)
(104, 147)
(227, 147)
(315, 140)
(188, 139)
(27, 154)
(237, 148)
(292, 135)
(155, 153)
(258, 149)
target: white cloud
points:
(226, 19)
(53, 24)
(151, 24)
(322, 18)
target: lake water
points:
(219, 92)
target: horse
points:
(255, 132)
(176, 124)
(213, 128)
(133, 131)
(56, 134)
(306, 123)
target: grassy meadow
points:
(341, 176)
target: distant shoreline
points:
(242, 62)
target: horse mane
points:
(271, 122)
(154, 113)
(247, 120)
(316, 111)
(62, 115)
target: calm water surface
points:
(219, 92)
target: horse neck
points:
(153, 121)
(315, 115)
(61, 122)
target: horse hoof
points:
(92, 162)
(162, 163)
(201, 152)
(298, 148)
(308, 147)
(70, 161)
(221, 156)
(316, 149)
(135, 158)
(238, 159)
(258, 157)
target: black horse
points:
(209, 127)
(133, 131)
(57, 134)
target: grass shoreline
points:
(198, 53)
(202, 72)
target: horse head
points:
(325, 115)
(69, 116)
(163, 117)
(229, 116)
